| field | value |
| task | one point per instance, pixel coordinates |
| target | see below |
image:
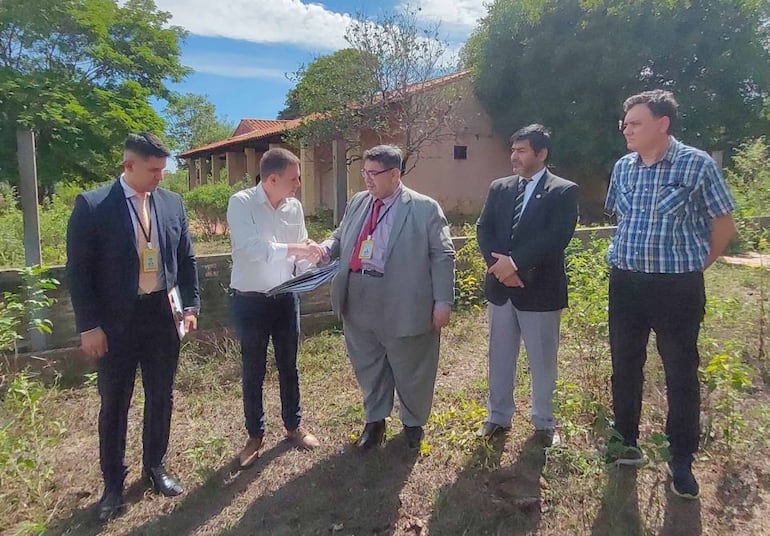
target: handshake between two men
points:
(308, 250)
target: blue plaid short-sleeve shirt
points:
(664, 211)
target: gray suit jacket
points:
(419, 261)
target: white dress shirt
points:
(259, 236)
(133, 201)
(531, 185)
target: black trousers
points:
(150, 341)
(257, 319)
(673, 306)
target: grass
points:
(455, 485)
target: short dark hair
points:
(275, 161)
(537, 135)
(146, 144)
(389, 156)
(660, 102)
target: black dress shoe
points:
(110, 505)
(162, 482)
(372, 436)
(414, 435)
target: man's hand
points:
(307, 250)
(503, 268)
(190, 320)
(513, 281)
(441, 312)
(94, 343)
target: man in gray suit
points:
(526, 223)
(394, 293)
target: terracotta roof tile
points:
(256, 129)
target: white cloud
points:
(292, 22)
(232, 66)
(453, 15)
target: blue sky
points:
(242, 50)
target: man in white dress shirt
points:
(269, 246)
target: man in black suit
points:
(128, 247)
(526, 223)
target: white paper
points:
(175, 300)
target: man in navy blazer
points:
(526, 223)
(128, 247)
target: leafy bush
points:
(208, 204)
(26, 434)
(470, 272)
(7, 197)
(749, 179)
(176, 181)
(25, 308)
(320, 225)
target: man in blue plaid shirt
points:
(673, 210)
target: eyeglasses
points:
(372, 173)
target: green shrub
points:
(208, 204)
(7, 197)
(749, 180)
(470, 272)
(176, 181)
(320, 225)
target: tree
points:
(81, 73)
(389, 65)
(570, 63)
(192, 121)
(329, 82)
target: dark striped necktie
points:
(518, 204)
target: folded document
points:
(310, 280)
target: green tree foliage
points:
(749, 179)
(328, 83)
(388, 58)
(570, 63)
(192, 121)
(81, 73)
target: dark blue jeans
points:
(673, 306)
(257, 319)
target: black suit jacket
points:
(537, 246)
(102, 260)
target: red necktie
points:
(366, 232)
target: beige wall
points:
(458, 185)
(461, 185)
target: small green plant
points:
(727, 380)
(457, 424)
(207, 456)
(588, 280)
(470, 273)
(580, 411)
(27, 433)
(25, 308)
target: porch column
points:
(307, 168)
(340, 172)
(236, 166)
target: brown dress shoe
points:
(250, 452)
(303, 439)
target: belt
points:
(366, 271)
(149, 295)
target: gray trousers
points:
(385, 364)
(540, 332)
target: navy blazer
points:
(537, 246)
(102, 260)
